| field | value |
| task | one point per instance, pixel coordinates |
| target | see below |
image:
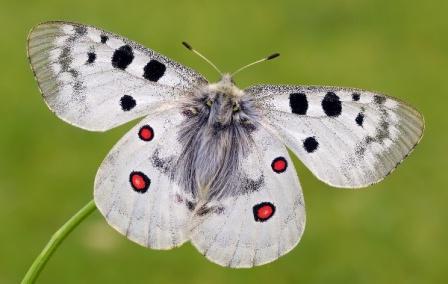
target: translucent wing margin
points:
(97, 80)
(348, 138)
(264, 219)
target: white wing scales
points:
(346, 137)
(156, 216)
(97, 80)
(234, 235)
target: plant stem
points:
(39, 263)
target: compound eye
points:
(209, 103)
(235, 107)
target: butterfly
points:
(209, 162)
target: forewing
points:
(97, 80)
(347, 137)
(263, 219)
(135, 188)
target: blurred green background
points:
(393, 232)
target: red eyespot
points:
(263, 211)
(139, 182)
(146, 133)
(279, 165)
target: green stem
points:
(39, 263)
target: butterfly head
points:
(222, 105)
(226, 86)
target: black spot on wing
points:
(356, 97)
(127, 103)
(154, 70)
(360, 119)
(331, 104)
(104, 38)
(310, 144)
(122, 57)
(298, 103)
(91, 57)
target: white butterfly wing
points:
(97, 80)
(264, 219)
(135, 189)
(347, 137)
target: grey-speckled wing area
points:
(265, 220)
(347, 137)
(97, 80)
(135, 189)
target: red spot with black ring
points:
(139, 182)
(146, 133)
(279, 165)
(263, 211)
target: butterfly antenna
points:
(272, 56)
(189, 47)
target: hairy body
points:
(215, 137)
